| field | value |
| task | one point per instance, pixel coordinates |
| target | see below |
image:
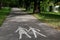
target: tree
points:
(0, 4)
(27, 4)
(36, 6)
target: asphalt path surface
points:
(19, 18)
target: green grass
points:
(30, 11)
(3, 14)
(51, 18)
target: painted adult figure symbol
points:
(35, 32)
(22, 31)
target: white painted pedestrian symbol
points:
(35, 32)
(25, 31)
(22, 31)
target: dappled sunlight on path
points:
(23, 19)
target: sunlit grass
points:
(3, 13)
(30, 11)
(51, 19)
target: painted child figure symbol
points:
(25, 31)
(22, 31)
(35, 32)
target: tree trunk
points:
(51, 8)
(27, 5)
(36, 6)
(0, 5)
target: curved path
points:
(20, 18)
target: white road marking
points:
(21, 32)
(35, 32)
(25, 31)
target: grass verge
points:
(3, 14)
(50, 18)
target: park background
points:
(47, 11)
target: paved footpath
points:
(19, 19)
